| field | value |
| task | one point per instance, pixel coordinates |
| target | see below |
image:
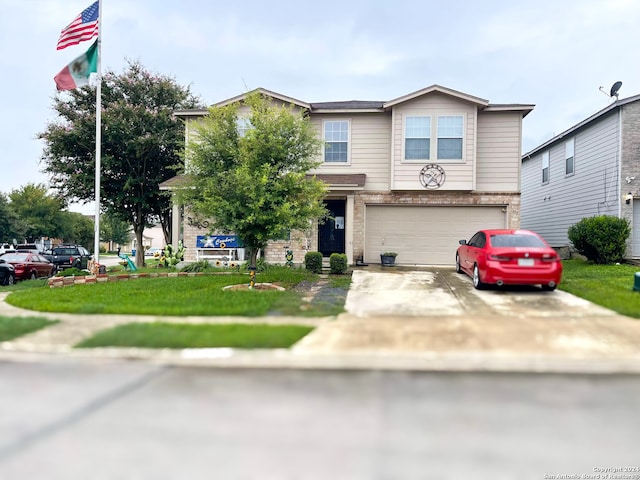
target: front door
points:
(331, 232)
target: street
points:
(106, 419)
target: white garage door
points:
(424, 235)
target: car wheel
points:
(547, 288)
(33, 276)
(10, 280)
(458, 269)
(477, 283)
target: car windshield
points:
(516, 240)
(15, 257)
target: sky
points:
(554, 54)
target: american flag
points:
(84, 27)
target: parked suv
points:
(69, 256)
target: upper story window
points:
(569, 163)
(417, 138)
(545, 167)
(243, 125)
(336, 141)
(450, 134)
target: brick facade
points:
(630, 163)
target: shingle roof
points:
(347, 105)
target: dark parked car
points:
(7, 273)
(509, 257)
(68, 256)
(29, 265)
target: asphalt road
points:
(70, 419)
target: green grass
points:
(170, 335)
(610, 286)
(202, 295)
(14, 327)
(25, 285)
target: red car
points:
(509, 257)
(29, 265)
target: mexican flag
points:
(77, 73)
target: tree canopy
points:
(254, 181)
(38, 213)
(32, 212)
(141, 141)
(9, 225)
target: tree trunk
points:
(139, 229)
(165, 223)
(253, 259)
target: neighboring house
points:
(412, 175)
(593, 168)
(151, 237)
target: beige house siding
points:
(499, 139)
(370, 137)
(459, 174)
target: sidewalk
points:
(418, 319)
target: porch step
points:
(326, 266)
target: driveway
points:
(435, 311)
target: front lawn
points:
(171, 335)
(201, 295)
(14, 327)
(608, 285)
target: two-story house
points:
(593, 168)
(411, 175)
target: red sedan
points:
(509, 257)
(29, 265)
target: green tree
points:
(141, 139)
(39, 213)
(9, 224)
(112, 229)
(77, 229)
(256, 183)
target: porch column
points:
(175, 225)
(349, 226)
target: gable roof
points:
(238, 98)
(583, 124)
(367, 106)
(440, 89)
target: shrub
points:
(313, 262)
(201, 266)
(71, 272)
(172, 255)
(338, 263)
(602, 239)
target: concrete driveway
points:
(435, 311)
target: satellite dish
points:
(614, 89)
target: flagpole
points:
(96, 244)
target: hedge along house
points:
(592, 168)
(412, 175)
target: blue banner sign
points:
(218, 241)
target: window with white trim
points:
(417, 138)
(336, 141)
(243, 125)
(450, 134)
(545, 167)
(569, 163)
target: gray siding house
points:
(593, 168)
